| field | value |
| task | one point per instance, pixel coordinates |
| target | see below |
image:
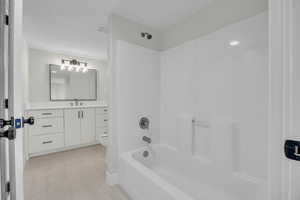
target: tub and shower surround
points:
(135, 83)
(213, 120)
(223, 85)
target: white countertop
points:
(65, 107)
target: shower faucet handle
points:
(144, 123)
(147, 139)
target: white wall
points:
(216, 82)
(138, 82)
(38, 75)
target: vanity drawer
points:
(101, 111)
(45, 113)
(101, 120)
(40, 143)
(101, 131)
(46, 126)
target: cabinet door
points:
(88, 126)
(72, 127)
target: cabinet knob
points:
(47, 126)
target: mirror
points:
(70, 85)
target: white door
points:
(88, 126)
(11, 68)
(3, 95)
(291, 107)
(72, 127)
(284, 115)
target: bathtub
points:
(168, 175)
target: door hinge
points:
(7, 187)
(6, 104)
(7, 20)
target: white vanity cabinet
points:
(72, 126)
(88, 130)
(79, 126)
(60, 129)
(47, 132)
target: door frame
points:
(280, 120)
(10, 65)
(13, 179)
(288, 93)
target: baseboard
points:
(63, 149)
(124, 193)
(111, 178)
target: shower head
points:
(146, 35)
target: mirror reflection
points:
(70, 85)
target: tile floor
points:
(72, 175)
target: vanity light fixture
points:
(74, 64)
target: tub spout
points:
(147, 139)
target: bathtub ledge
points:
(153, 177)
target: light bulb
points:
(234, 43)
(85, 70)
(62, 67)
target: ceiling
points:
(158, 14)
(69, 26)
